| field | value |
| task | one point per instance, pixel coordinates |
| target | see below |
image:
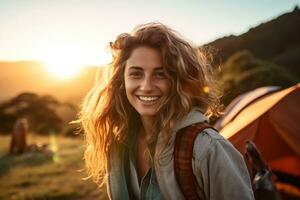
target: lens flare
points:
(206, 89)
(54, 148)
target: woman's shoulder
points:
(210, 141)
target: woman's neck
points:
(148, 123)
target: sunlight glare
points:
(64, 62)
(63, 69)
(67, 61)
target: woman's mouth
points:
(148, 99)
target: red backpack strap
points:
(183, 155)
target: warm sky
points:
(79, 30)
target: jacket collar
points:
(194, 116)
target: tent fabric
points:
(242, 101)
(273, 123)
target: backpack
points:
(183, 155)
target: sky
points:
(65, 30)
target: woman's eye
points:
(135, 74)
(161, 75)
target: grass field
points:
(40, 176)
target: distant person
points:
(18, 140)
(158, 90)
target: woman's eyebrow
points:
(140, 68)
(135, 68)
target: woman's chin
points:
(147, 113)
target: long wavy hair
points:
(108, 118)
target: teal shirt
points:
(148, 189)
(130, 188)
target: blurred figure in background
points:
(263, 180)
(18, 140)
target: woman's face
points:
(146, 84)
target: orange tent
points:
(272, 122)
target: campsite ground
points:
(38, 176)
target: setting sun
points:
(64, 62)
(63, 69)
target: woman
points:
(157, 85)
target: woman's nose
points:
(147, 84)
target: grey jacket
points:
(219, 168)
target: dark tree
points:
(39, 110)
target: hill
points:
(276, 41)
(243, 72)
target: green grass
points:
(38, 176)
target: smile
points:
(148, 98)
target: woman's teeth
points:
(145, 98)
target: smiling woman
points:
(158, 85)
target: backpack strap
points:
(183, 155)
